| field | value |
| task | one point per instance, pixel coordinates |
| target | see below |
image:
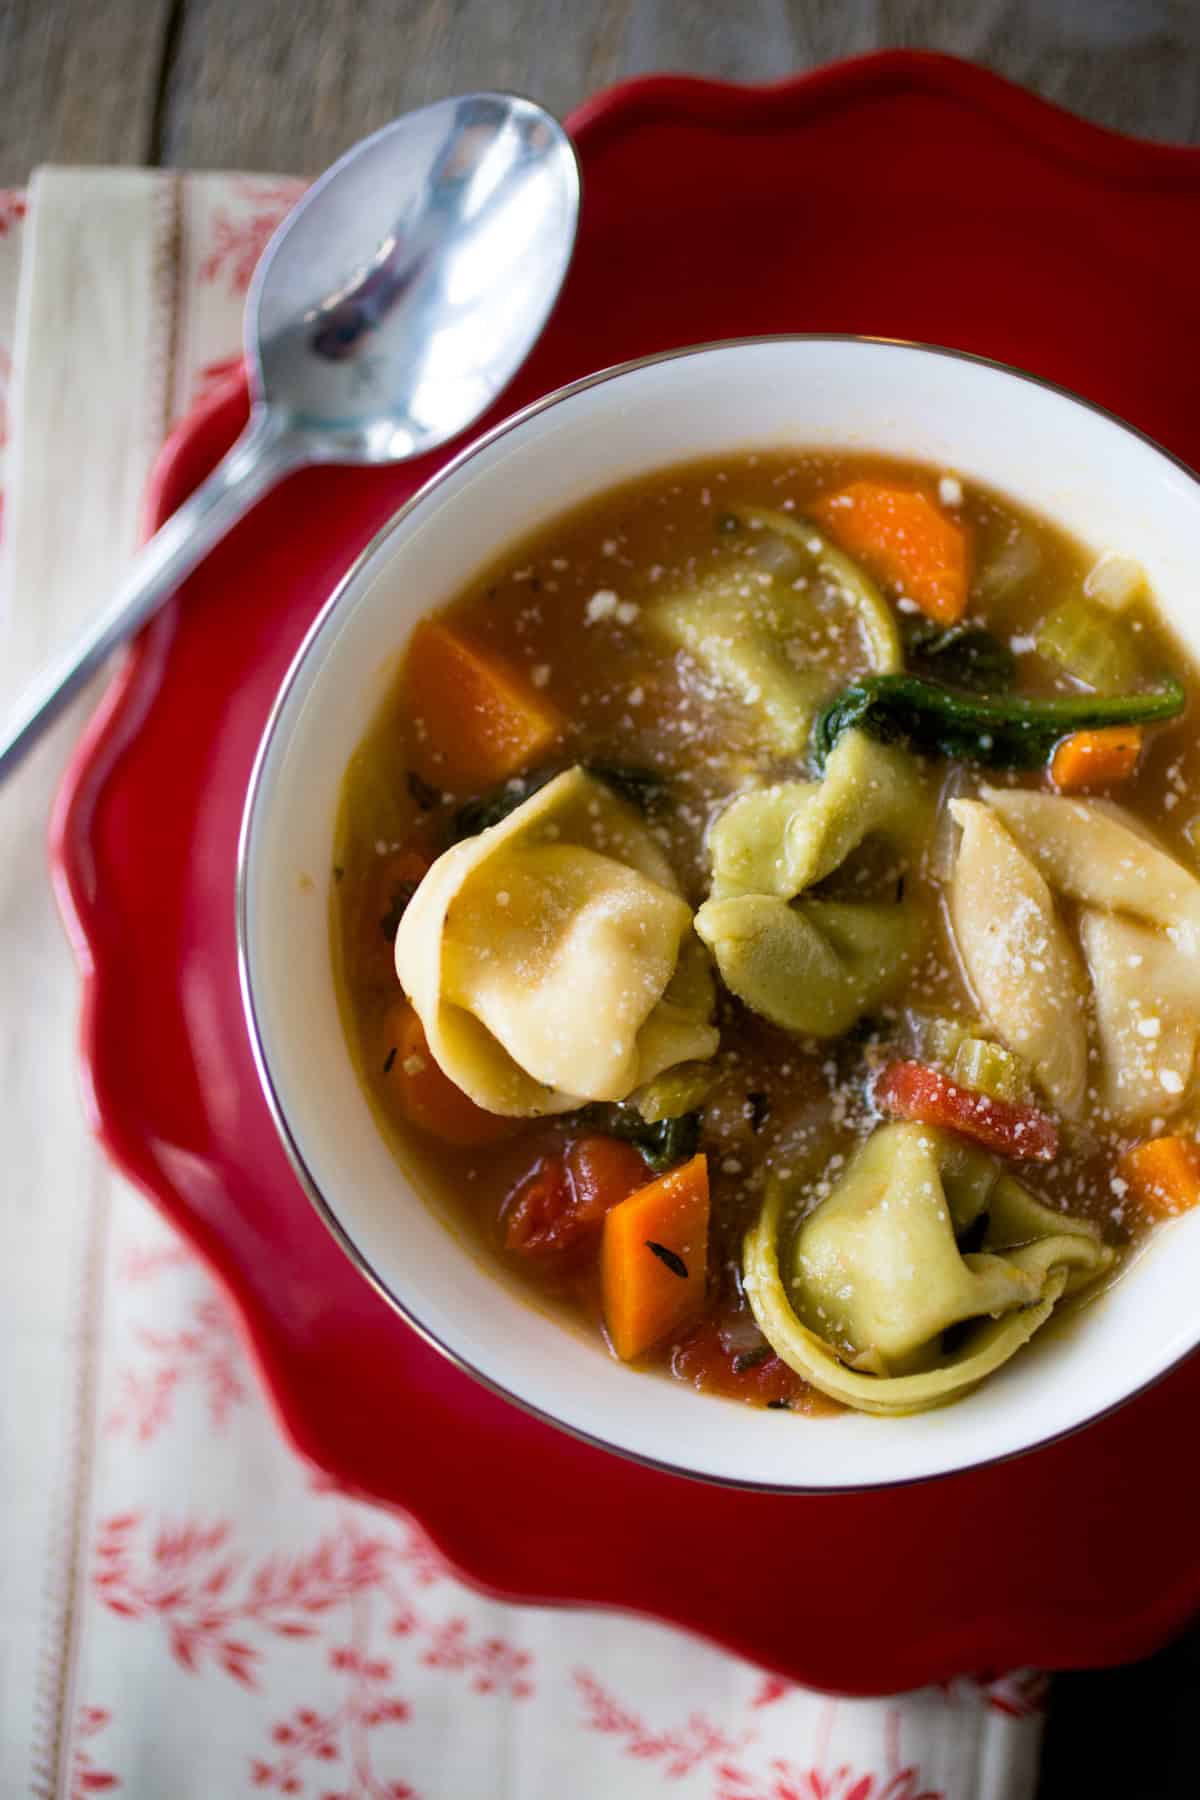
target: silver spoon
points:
(390, 309)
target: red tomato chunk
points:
(561, 1204)
(910, 1090)
(706, 1361)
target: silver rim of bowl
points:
(312, 638)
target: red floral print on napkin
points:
(12, 209)
(679, 1748)
(338, 1735)
(784, 1781)
(86, 1778)
(698, 1742)
(205, 1352)
(221, 1609)
(241, 232)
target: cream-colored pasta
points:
(551, 959)
(1018, 956)
(1096, 853)
(1136, 914)
(1147, 1003)
(858, 1298)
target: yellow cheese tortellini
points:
(551, 958)
(923, 1270)
(814, 964)
(1132, 937)
(779, 627)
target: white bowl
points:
(1030, 441)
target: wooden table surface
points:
(285, 85)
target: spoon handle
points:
(265, 452)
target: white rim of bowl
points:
(310, 643)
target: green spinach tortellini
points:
(926, 1268)
(815, 963)
(773, 628)
(551, 958)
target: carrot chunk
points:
(481, 717)
(1163, 1175)
(561, 1204)
(654, 1259)
(911, 1090)
(425, 1096)
(396, 879)
(1089, 759)
(904, 538)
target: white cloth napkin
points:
(184, 1611)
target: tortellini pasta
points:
(1137, 921)
(815, 965)
(1096, 853)
(783, 839)
(1147, 1001)
(1018, 955)
(876, 1298)
(763, 629)
(551, 958)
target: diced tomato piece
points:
(910, 1090)
(561, 1204)
(537, 1215)
(764, 1379)
(603, 1171)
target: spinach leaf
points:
(1004, 732)
(643, 788)
(488, 809)
(965, 656)
(426, 797)
(663, 1144)
(402, 893)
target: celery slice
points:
(1090, 644)
(989, 1069)
(1114, 580)
(675, 1092)
(936, 1036)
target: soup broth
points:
(680, 640)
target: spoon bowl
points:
(390, 309)
(411, 282)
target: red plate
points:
(906, 195)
